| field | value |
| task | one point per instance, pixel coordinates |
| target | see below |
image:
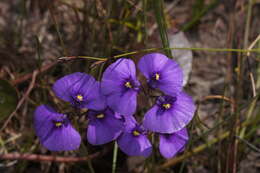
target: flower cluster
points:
(112, 104)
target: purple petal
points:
(121, 69)
(95, 99)
(104, 130)
(172, 120)
(119, 98)
(129, 123)
(134, 145)
(170, 73)
(183, 111)
(43, 117)
(69, 86)
(124, 103)
(55, 138)
(116, 74)
(157, 123)
(63, 139)
(171, 144)
(64, 86)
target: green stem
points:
(90, 166)
(173, 48)
(57, 28)
(160, 18)
(194, 49)
(114, 158)
(202, 147)
(153, 155)
(93, 58)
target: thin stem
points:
(153, 155)
(58, 30)
(193, 48)
(89, 162)
(253, 147)
(90, 166)
(48, 158)
(194, 151)
(158, 49)
(202, 147)
(114, 158)
(160, 18)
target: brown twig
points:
(250, 71)
(46, 158)
(29, 76)
(230, 100)
(202, 147)
(218, 97)
(35, 72)
(194, 151)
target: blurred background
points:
(220, 74)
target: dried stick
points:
(230, 100)
(46, 158)
(250, 71)
(200, 148)
(29, 76)
(35, 72)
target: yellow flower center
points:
(100, 116)
(157, 76)
(167, 106)
(128, 85)
(79, 97)
(58, 124)
(83, 110)
(136, 133)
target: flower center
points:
(100, 116)
(58, 124)
(157, 76)
(128, 85)
(83, 110)
(167, 105)
(79, 97)
(136, 133)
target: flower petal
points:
(124, 103)
(151, 63)
(129, 123)
(121, 69)
(55, 138)
(171, 144)
(95, 99)
(171, 75)
(155, 122)
(107, 129)
(134, 145)
(43, 117)
(70, 85)
(64, 86)
(63, 139)
(183, 111)
(173, 120)
(112, 86)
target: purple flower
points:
(161, 72)
(81, 90)
(133, 141)
(171, 144)
(170, 113)
(54, 130)
(120, 85)
(104, 126)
